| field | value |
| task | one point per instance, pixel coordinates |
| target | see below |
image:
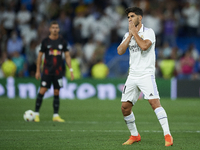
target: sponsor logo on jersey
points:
(135, 48)
(54, 52)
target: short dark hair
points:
(136, 10)
(53, 22)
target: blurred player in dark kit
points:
(53, 46)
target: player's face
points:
(132, 17)
(54, 29)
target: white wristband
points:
(71, 70)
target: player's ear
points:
(140, 17)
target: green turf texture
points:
(94, 124)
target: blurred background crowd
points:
(93, 30)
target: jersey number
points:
(60, 82)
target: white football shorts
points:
(134, 85)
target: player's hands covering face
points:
(132, 28)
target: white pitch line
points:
(32, 130)
(146, 131)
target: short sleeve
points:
(65, 46)
(150, 35)
(125, 37)
(42, 47)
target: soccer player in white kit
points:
(141, 43)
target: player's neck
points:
(139, 26)
(53, 37)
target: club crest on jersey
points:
(142, 37)
(60, 46)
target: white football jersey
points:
(142, 62)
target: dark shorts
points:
(47, 80)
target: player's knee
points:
(56, 92)
(125, 110)
(42, 90)
(155, 103)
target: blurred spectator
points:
(168, 68)
(23, 17)
(3, 39)
(82, 23)
(169, 27)
(8, 19)
(8, 67)
(166, 50)
(122, 26)
(20, 64)
(31, 57)
(99, 70)
(89, 49)
(65, 24)
(110, 10)
(2, 9)
(176, 53)
(153, 19)
(192, 15)
(29, 33)
(194, 51)
(186, 66)
(53, 10)
(42, 30)
(14, 44)
(42, 6)
(99, 31)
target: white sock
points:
(130, 122)
(37, 113)
(162, 117)
(55, 115)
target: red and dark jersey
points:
(53, 50)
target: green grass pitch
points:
(94, 124)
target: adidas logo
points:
(151, 94)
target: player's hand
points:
(72, 76)
(132, 28)
(37, 75)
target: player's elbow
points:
(144, 47)
(120, 51)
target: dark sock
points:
(38, 102)
(56, 103)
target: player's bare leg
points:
(130, 122)
(162, 117)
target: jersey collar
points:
(141, 29)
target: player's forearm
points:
(121, 49)
(38, 65)
(141, 43)
(68, 61)
(39, 60)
